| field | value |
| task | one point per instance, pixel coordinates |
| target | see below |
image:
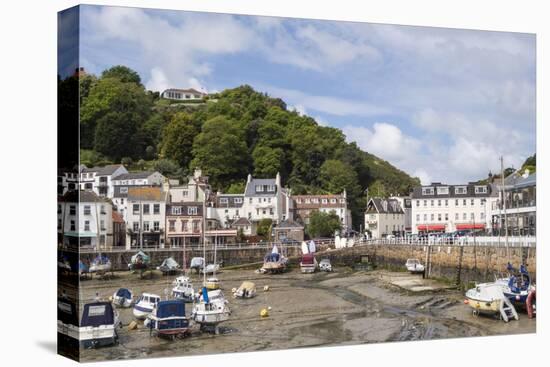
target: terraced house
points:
(145, 217)
(303, 205)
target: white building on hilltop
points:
(183, 94)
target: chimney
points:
(198, 173)
(278, 180)
(249, 178)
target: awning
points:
(431, 227)
(470, 226)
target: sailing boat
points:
(209, 312)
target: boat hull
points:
(141, 312)
(484, 306)
(122, 302)
(92, 337)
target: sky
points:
(441, 104)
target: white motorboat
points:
(183, 289)
(98, 325)
(145, 305)
(414, 266)
(123, 297)
(100, 265)
(489, 298)
(67, 318)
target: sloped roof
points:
(82, 196)
(190, 90)
(251, 186)
(289, 224)
(241, 222)
(386, 206)
(134, 175)
(102, 171)
(146, 193)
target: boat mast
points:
(204, 235)
(503, 192)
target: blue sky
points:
(441, 104)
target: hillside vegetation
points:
(230, 134)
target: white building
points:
(145, 178)
(449, 208)
(145, 217)
(265, 198)
(406, 204)
(384, 217)
(100, 179)
(183, 94)
(84, 220)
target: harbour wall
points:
(460, 264)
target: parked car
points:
(325, 265)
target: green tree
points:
(115, 135)
(336, 176)
(323, 224)
(167, 167)
(122, 73)
(220, 151)
(178, 137)
(267, 161)
(264, 228)
(236, 188)
(108, 96)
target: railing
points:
(493, 241)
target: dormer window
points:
(443, 190)
(315, 201)
(123, 190)
(427, 191)
(481, 189)
(460, 190)
(238, 200)
(259, 188)
(333, 201)
(324, 201)
(223, 201)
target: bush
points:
(127, 161)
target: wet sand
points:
(307, 310)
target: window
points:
(460, 190)
(446, 202)
(324, 201)
(439, 217)
(87, 225)
(156, 209)
(102, 209)
(456, 216)
(146, 209)
(238, 200)
(184, 226)
(192, 210)
(308, 201)
(425, 217)
(122, 201)
(333, 201)
(482, 216)
(271, 188)
(425, 202)
(263, 212)
(146, 226)
(299, 201)
(315, 201)
(446, 216)
(72, 210)
(58, 223)
(223, 201)
(432, 217)
(481, 189)
(456, 202)
(427, 191)
(250, 200)
(172, 226)
(439, 203)
(73, 226)
(87, 210)
(136, 226)
(463, 216)
(472, 216)
(102, 225)
(431, 203)
(271, 211)
(483, 201)
(259, 200)
(259, 188)
(176, 210)
(156, 226)
(418, 203)
(443, 190)
(135, 208)
(418, 217)
(342, 201)
(195, 226)
(464, 202)
(123, 190)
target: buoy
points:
(233, 290)
(133, 325)
(266, 288)
(264, 312)
(466, 301)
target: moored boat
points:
(139, 261)
(211, 311)
(183, 289)
(145, 305)
(308, 264)
(489, 298)
(168, 266)
(212, 283)
(123, 297)
(168, 318)
(101, 264)
(98, 325)
(246, 290)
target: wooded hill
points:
(228, 135)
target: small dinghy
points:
(139, 261)
(414, 266)
(145, 305)
(211, 268)
(274, 263)
(246, 290)
(101, 264)
(212, 283)
(168, 319)
(183, 289)
(123, 298)
(169, 266)
(98, 325)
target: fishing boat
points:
(123, 298)
(414, 266)
(139, 261)
(246, 290)
(67, 318)
(145, 305)
(101, 264)
(489, 298)
(168, 319)
(183, 289)
(169, 266)
(98, 325)
(212, 283)
(197, 263)
(211, 312)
